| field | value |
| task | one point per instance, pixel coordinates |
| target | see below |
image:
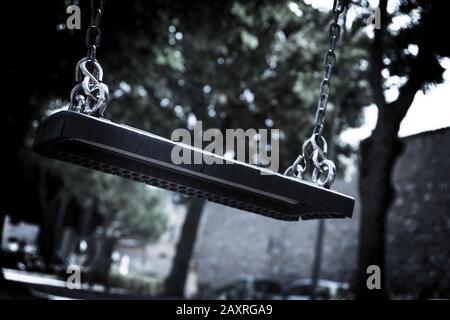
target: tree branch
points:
(376, 56)
(406, 97)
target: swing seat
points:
(102, 145)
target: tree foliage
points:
(126, 209)
(231, 65)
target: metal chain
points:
(90, 95)
(93, 33)
(314, 149)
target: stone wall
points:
(418, 246)
(232, 243)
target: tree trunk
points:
(180, 266)
(2, 280)
(51, 227)
(317, 259)
(378, 154)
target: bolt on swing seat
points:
(102, 145)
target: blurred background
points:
(232, 64)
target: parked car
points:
(249, 288)
(301, 289)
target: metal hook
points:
(326, 166)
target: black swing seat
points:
(102, 145)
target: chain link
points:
(314, 149)
(93, 33)
(90, 95)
